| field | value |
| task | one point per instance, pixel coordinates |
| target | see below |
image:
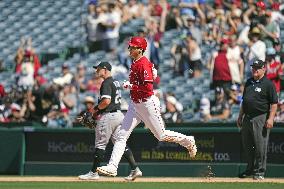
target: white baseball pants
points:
(149, 113)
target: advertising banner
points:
(79, 147)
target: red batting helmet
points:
(138, 42)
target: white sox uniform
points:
(109, 120)
(145, 106)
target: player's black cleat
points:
(245, 174)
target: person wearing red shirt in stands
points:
(2, 91)
(273, 68)
(219, 66)
(34, 59)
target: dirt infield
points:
(143, 179)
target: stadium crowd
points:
(220, 37)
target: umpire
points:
(109, 119)
(256, 119)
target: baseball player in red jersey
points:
(144, 106)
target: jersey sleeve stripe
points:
(106, 96)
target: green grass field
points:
(135, 185)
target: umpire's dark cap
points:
(257, 63)
(105, 65)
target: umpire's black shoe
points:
(245, 174)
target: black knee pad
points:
(99, 154)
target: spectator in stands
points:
(234, 18)
(279, 56)
(14, 94)
(5, 110)
(273, 69)
(280, 113)
(270, 30)
(219, 66)
(255, 41)
(220, 19)
(144, 32)
(66, 77)
(209, 30)
(220, 108)
(17, 113)
(2, 91)
(276, 15)
(173, 20)
(155, 29)
(155, 8)
(187, 8)
(80, 80)
(68, 98)
(152, 36)
(122, 55)
(204, 109)
(26, 52)
(111, 22)
(235, 61)
(172, 115)
(27, 103)
(195, 31)
(2, 66)
(178, 105)
(255, 14)
(19, 58)
(39, 80)
(89, 104)
(94, 27)
(243, 37)
(180, 57)
(94, 84)
(43, 101)
(56, 118)
(256, 49)
(235, 96)
(132, 10)
(53, 118)
(35, 60)
(26, 73)
(194, 53)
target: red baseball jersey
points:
(141, 77)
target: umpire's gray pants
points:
(107, 128)
(255, 140)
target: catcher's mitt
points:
(87, 120)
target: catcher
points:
(106, 118)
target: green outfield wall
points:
(31, 150)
